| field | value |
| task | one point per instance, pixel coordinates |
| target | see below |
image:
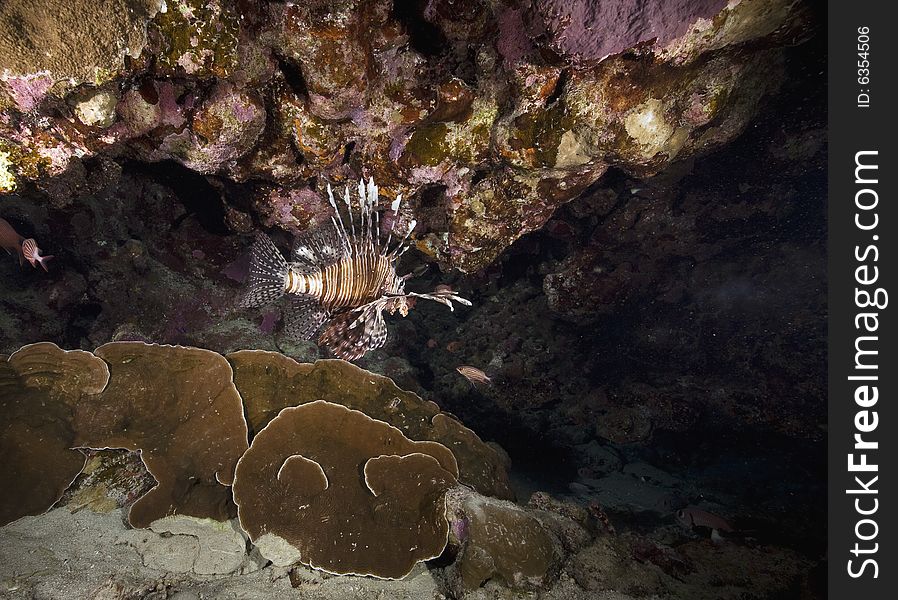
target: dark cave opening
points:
(293, 76)
(80, 323)
(424, 36)
(432, 210)
(193, 190)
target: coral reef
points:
(498, 138)
(632, 194)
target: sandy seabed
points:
(63, 556)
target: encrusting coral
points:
(337, 490)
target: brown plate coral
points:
(179, 407)
(269, 382)
(343, 492)
(39, 384)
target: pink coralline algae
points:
(269, 321)
(590, 30)
(223, 128)
(513, 42)
(28, 90)
(296, 209)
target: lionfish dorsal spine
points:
(367, 238)
(402, 247)
(370, 202)
(353, 246)
(377, 230)
(338, 224)
(363, 209)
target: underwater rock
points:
(586, 31)
(269, 382)
(293, 209)
(334, 50)
(180, 408)
(35, 142)
(201, 546)
(317, 486)
(110, 480)
(625, 493)
(641, 567)
(501, 540)
(567, 520)
(97, 109)
(223, 128)
(198, 38)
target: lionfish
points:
(343, 277)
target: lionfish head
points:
(402, 304)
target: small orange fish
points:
(474, 375)
(32, 254)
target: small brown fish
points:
(474, 375)
(32, 254)
(692, 516)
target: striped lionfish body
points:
(342, 277)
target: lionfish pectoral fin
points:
(350, 335)
(363, 312)
(267, 274)
(443, 298)
(303, 316)
(375, 333)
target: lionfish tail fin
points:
(267, 274)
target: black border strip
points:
(863, 367)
